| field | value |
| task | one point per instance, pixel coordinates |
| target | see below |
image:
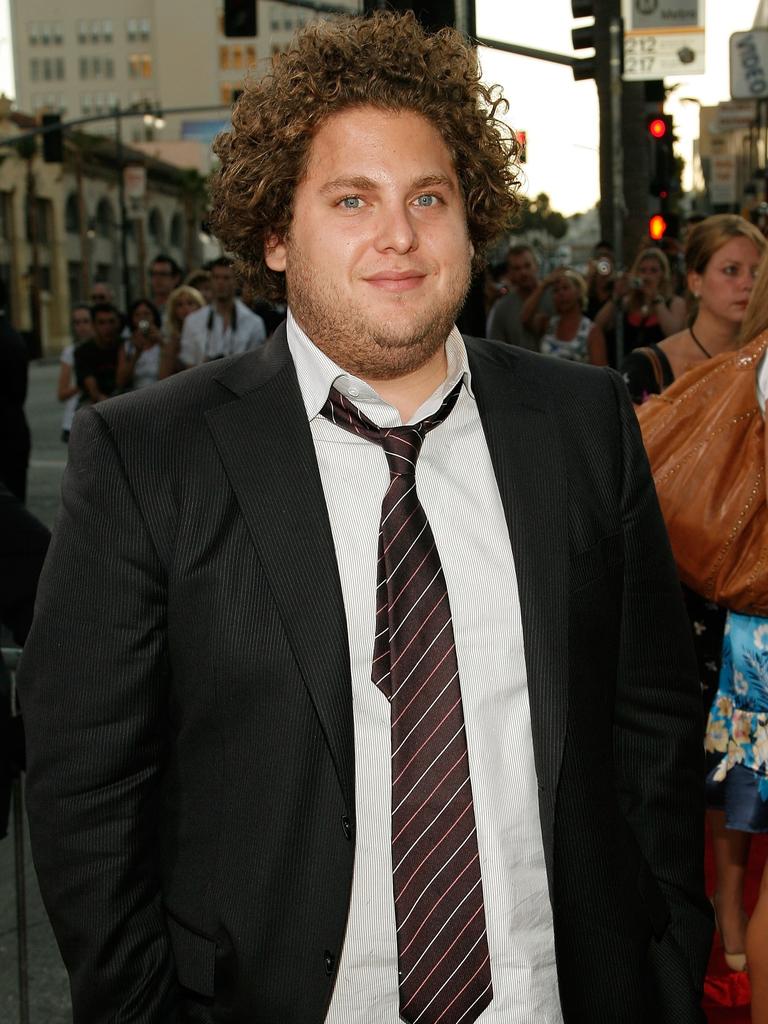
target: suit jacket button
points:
(346, 824)
(330, 960)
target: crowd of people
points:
(180, 323)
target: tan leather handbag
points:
(706, 442)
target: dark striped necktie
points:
(443, 961)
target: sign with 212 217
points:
(663, 37)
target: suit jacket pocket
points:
(593, 562)
(195, 957)
(653, 898)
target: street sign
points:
(735, 116)
(749, 64)
(662, 37)
(722, 181)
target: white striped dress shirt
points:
(458, 491)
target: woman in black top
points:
(644, 299)
(721, 255)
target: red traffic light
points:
(657, 127)
(657, 227)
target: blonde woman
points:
(645, 300)
(569, 333)
(181, 302)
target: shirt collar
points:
(317, 374)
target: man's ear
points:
(274, 253)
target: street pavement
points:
(48, 986)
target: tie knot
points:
(401, 444)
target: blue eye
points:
(426, 200)
(351, 202)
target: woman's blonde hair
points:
(652, 253)
(579, 284)
(182, 291)
(712, 234)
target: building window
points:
(96, 67)
(226, 92)
(177, 231)
(156, 229)
(60, 68)
(58, 33)
(45, 34)
(72, 215)
(105, 219)
(140, 65)
(33, 32)
(106, 30)
(250, 55)
(132, 29)
(85, 104)
(274, 24)
(109, 67)
(95, 31)
(34, 69)
(144, 28)
(82, 65)
(237, 57)
(43, 217)
(5, 219)
(82, 31)
(223, 58)
(47, 70)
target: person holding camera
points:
(138, 363)
(644, 297)
(569, 334)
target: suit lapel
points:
(266, 447)
(527, 456)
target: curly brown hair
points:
(387, 61)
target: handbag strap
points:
(654, 356)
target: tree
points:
(537, 215)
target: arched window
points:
(156, 228)
(105, 219)
(72, 215)
(177, 231)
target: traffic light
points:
(53, 143)
(240, 18)
(662, 161)
(583, 38)
(432, 14)
(657, 227)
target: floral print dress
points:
(737, 731)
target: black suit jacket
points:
(188, 700)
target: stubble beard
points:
(369, 349)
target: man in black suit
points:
(250, 612)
